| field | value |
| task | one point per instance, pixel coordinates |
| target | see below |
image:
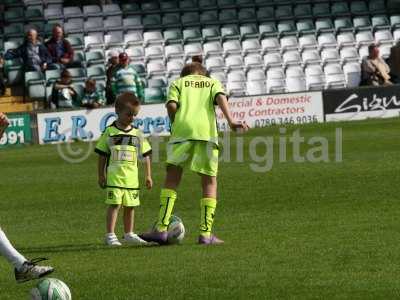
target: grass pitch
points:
(300, 231)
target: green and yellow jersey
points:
(195, 118)
(122, 149)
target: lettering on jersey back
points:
(197, 84)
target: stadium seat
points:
(133, 39)
(215, 63)
(72, 12)
(173, 36)
(152, 37)
(234, 62)
(188, 5)
(226, 4)
(190, 19)
(303, 11)
(135, 53)
(291, 57)
(113, 23)
(249, 31)
(192, 49)
(251, 46)
(53, 14)
(77, 74)
(236, 88)
(295, 84)
(308, 42)
(324, 26)
(210, 34)
(111, 10)
(362, 24)
(168, 6)
(14, 30)
(384, 50)
(236, 76)
(321, 10)
(287, 28)
(255, 75)
(74, 26)
(212, 48)
(315, 78)
(363, 51)
(33, 15)
(154, 52)
(132, 23)
(310, 56)
(79, 57)
(208, 4)
(92, 11)
(275, 80)
(246, 15)
(334, 76)
(305, 27)
(383, 36)
(380, 22)
(171, 20)
(95, 57)
(96, 72)
(174, 51)
(230, 32)
(343, 25)
(192, 35)
(273, 60)
(346, 39)
(340, 9)
(359, 8)
(150, 7)
(289, 43)
(94, 42)
(35, 85)
(253, 60)
(270, 45)
(219, 76)
(153, 95)
(174, 66)
(256, 88)
(231, 47)
(14, 15)
(283, 12)
(349, 54)
(156, 83)
(364, 38)
(395, 21)
(155, 67)
(327, 40)
(267, 30)
(209, 18)
(352, 73)
(139, 68)
(376, 7)
(114, 40)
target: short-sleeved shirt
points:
(195, 118)
(90, 98)
(127, 80)
(122, 149)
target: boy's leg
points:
(24, 269)
(112, 215)
(167, 200)
(130, 237)
(9, 252)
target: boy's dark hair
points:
(198, 59)
(91, 81)
(127, 100)
(193, 68)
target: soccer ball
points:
(176, 230)
(51, 289)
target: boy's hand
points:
(102, 182)
(149, 183)
(239, 127)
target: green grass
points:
(299, 231)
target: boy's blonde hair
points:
(127, 100)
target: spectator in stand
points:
(64, 94)
(60, 49)
(394, 63)
(92, 96)
(374, 69)
(126, 79)
(33, 53)
(112, 66)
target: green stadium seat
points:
(343, 24)
(380, 22)
(190, 19)
(283, 12)
(265, 14)
(321, 10)
(152, 21)
(14, 30)
(287, 28)
(210, 34)
(52, 75)
(35, 85)
(192, 35)
(150, 6)
(209, 17)
(188, 5)
(173, 36)
(76, 42)
(362, 24)
(302, 11)
(166, 6)
(79, 57)
(377, 7)
(248, 31)
(340, 9)
(171, 20)
(33, 15)
(245, 3)
(208, 4)
(324, 25)
(77, 74)
(229, 32)
(156, 83)
(140, 69)
(267, 30)
(132, 23)
(94, 57)
(14, 71)
(154, 95)
(305, 26)
(226, 3)
(247, 15)
(96, 72)
(14, 15)
(359, 8)
(395, 21)
(130, 9)
(228, 16)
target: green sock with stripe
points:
(167, 201)
(207, 206)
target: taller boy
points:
(194, 143)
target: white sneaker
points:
(30, 270)
(112, 240)
(133, 239)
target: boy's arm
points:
(149, 180)
(101, 166)
(3, 123)
(172, 107)
(223, 105)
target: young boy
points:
(194, 143)
(24, 269)
(92, 97)
(119, 148)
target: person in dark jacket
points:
(60, 49)
(32, 52)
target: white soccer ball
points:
(51, 289)
(176, 230)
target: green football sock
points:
(167, 201)
(207, 206)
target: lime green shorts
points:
(201, 156)
(124, 197)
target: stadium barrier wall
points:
(20, 130)
(257, 111)
(362, 103)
